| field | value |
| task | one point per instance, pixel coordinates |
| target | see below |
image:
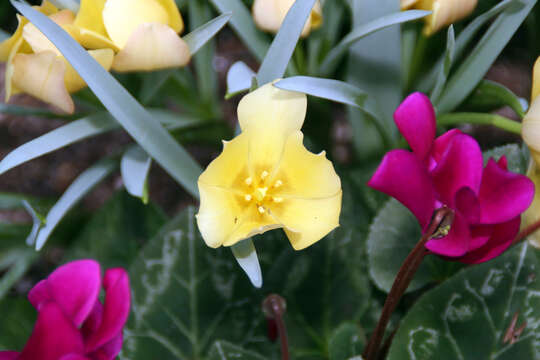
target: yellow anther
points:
(247, 197)
(260, 193)
(261, 210)
(278, 183)
(277, 199)
(264, 175)
(249, 181)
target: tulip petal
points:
(115, 310)
(42, 76)
(54, 335)
(90, 17)
(407, 4)
(38, 41)
(530, 129)
(123, 17)
(445, 12)
(316, 15)
(151, 47)
(9, 355)
(73, 80)
(175, 18)
(467, 203)
(270, 115)
(304, 174)
(415, 119)
(403, 176)
(535, 89)
(74, 286)
(90, 39)
(11, 89)
(456, 243)
(503, 236)
(6, 46)
(269, 15)
(461, 166)
(503, 194)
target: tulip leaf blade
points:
(489, 96)
(446, 65)
(332, 59)
(279, 54)
(246, 256)
(443, 324)
(72, 5)
(223, 350)
(134, 167)
(243, 25)
(329, 89)
(239, 79)
(135, 119)
(204, 33)
(467, 76)
(73, 194)
(392, 235)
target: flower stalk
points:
(404, 278)
(274, 307)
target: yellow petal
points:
(311, 193)
(270, 115)
(532, 215)
(42, 76)
(90, 16)
(407, 4)
(7, 45)
(90, 39)
(175, 18)
(445, 12)
(10, 89)
(123, 17)
(152, 47)
(37, 40)
(530, 129)
(535, 80)
(46, 8)
(269, 15)
(73, 80)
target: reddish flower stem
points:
(403, 279)
(526, 232)
(274, 307)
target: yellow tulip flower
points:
(36, 67)
(445, 12)
(530, 132)
(266, 179)
(144, 32)
(269, 15)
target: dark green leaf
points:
(346, 342)
(222, 350)
(468, 316)
(489, 96)
(516, 161)
(446, 65)
(334, 90)
(16, 323)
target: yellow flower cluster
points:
(445, 12)
(123, 35)
(269, 15)
(266, 179)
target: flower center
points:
(258, 191)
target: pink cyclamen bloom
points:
(449, 170)
(72, 323)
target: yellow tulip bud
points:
(269, 15)
(445, 12)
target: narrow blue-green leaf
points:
(201, 35)
(246, 256)
(278, 56)
(134, 167)
(75, 192)
(446, 65)
(336, 54)
(239, 78)
(463, 40)
(58, 138)
(243, 25)
(475, 66)
(25, 259)
(37, 223)
(334, 90)
(3, 35)
(146, 130)
(72, 5)
(29, 111)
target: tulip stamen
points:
(278, 183)
(261, 209)
(248, 181)
(248, 197)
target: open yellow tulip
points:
(36, 67)
(530, 132)
(445, 12)
(144, 32)
(266, 179)
(269, 15)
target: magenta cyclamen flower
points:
(448, 170)
(72, 323)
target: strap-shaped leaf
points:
(334, 90)
(243, 25)
(75, 192)
(239, 79)
(246, 256)
(446, 65)
(201, 35)
(72, 5)
(134, 118)
(134, 167)
(489, 96)
(336, 54)
(278, 56)
(473, 69)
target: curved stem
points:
(403, 279)
(481, 119)
(526, 232)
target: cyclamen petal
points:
(8, 355)
(456, 243)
